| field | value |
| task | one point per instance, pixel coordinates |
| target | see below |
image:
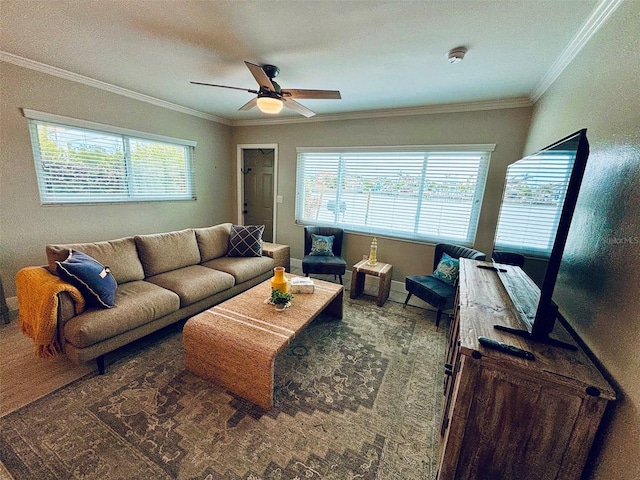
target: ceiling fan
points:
(271, 98)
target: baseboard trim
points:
(398, 293)
(12, 303)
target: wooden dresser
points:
(506, 417)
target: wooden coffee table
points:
(236, 342)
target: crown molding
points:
(518, 102)
(599, 15)
(92, 82)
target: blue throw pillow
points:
(94, 280)
(245, 241)
(447, 270)
(322, 245)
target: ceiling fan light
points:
(270, 105)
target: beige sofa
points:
(162, 278)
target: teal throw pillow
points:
(95, 282)
(322, 245)
(245, 241)
(447, 269)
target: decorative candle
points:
(373, 253)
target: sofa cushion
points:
(213, 242)
(137, 303)
(193, 283)
(242, 268)
(163, 252)
(93, 279)
(245, 241)
(121, 256)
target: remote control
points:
(503, 347)
(492, 267)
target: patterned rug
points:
(354, 399)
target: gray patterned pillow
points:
(245, 241)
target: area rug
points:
(355, 399)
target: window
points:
(534, 194)
(418, 193)
(84, 162)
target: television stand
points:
(546, 340)
(525, 295)
(504, 416)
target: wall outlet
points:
(279, 199)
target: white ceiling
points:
(379, 54)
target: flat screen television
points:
(538, 320)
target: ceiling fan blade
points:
(313, 94)
(297, 107)
(258, 73)
(250, 104)
(225, 86)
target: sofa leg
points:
(100, 362)
(340, 277)
(407, 300)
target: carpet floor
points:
(357, 398)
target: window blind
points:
(418, 193)
(534, 194)
(75, 164)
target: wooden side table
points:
(381, 270)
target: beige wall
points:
(601, 279)
(26, 226)
(506, 128)
(599, 90)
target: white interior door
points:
(258, 187)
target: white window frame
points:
(392, 211)
(535, 191)
(93, 195)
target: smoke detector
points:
(456, 55)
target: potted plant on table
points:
(280, 299)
